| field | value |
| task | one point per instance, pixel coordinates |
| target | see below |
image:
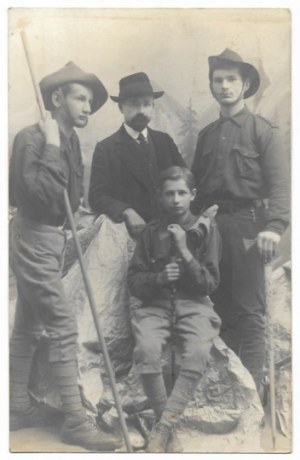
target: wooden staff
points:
(87, 284)
(270, 338)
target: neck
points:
(65, 127)
(231, 110)
(185, 220)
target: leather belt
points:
(231, 206)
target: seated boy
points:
(169, 259)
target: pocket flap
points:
(244, 151)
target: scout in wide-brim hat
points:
(71, 73)
(229, 57)
(135, 85)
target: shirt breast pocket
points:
(246, 162)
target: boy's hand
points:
(134, 222)
(49, 128)
(179, 236)
(170, 273)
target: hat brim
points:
(216, 62)
(155, 95)
(50, 83)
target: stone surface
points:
(226, 406)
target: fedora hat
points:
(135, 85)
(231, 57)
(71, 73)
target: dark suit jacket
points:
(119, 178)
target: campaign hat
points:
(71, 73)
(135, 85)
(231, 57)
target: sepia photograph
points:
(149, 224)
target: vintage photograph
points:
(149, 230)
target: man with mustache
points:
(126, 165)
(239, 163)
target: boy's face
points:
(176, 197)
(137, 111)
(75, 106)
(228, 86)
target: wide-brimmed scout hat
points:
(135, 85)
(71, 73)
(231, 57)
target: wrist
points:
(54, 142)
(186, 255)
(126, 212)
(159, 279)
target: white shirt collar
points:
(135, 134)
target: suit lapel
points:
(131, 157)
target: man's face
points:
(137, 111)
(176, 197)
(75, 106)
(227, 86)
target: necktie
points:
(143, 143)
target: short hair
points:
(177, 173)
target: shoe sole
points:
(104, 448)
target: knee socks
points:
(20, 361)
(66, 378)
(182, 393)
(155, 391)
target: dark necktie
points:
(143, 143)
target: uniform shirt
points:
(199, 277)
(241, 158)
(39, 172)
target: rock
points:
(226, 408)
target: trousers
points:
(240, 298)
(36, 260)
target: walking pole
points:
(97, 323)
(173, 259)
(268, 300)
(80, 257)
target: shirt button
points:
(223, 138)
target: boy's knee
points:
(147, 356)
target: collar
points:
(135, 134)
(64, 140)
(239, 118)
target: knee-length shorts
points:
(195, 327)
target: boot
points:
(159, 438)
(84, 432)
(32, 417)
(174, 445)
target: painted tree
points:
(189, 133)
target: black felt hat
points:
(135, 85)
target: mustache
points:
(140, 117)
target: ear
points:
(56, 98)
(193, 193)
(246, 84)
(120, 107)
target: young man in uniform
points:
(176, 256)
(127, 164)
(238, 163)
(47, 159)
